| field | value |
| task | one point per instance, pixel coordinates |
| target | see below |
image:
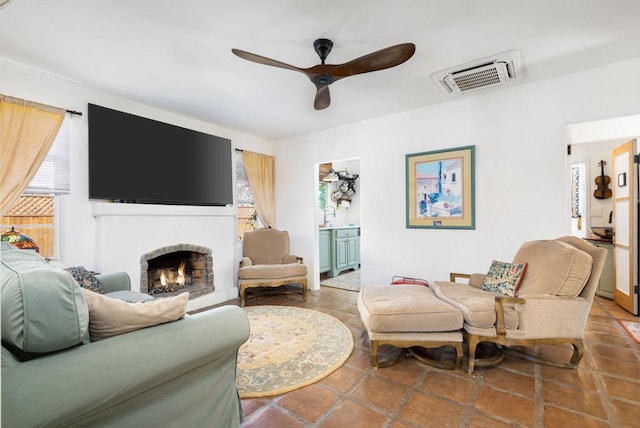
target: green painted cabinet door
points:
(345, 250)
(605, 286)
(342, 254)
(325, 251)
(353, 252)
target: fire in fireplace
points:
(175, 269)
(170, 273)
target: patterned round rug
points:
(289, 348)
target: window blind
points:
(53, 176)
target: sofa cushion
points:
(130, 296)
(553, 267)
(406, 308)
(43, 309)
(86, 279)
(271, 272)
(110, 317)
(504, 277)
(477, 306)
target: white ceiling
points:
(176, 55)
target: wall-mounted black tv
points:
(140, 160)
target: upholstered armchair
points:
(551, 305)
(267, 262)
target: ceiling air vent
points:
(483, 73)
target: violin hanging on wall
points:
(602, 181)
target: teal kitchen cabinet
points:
(325, 250)
(345, 250)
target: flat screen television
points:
(140, 160)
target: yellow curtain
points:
(261, 173)
(27, 130)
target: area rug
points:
(633, 328)
(289, 348)
(347, 281)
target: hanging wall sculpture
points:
(346, 188)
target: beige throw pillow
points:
(553, 267)
(110, 317)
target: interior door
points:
(625, 242)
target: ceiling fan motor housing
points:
(323, 48)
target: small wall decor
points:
(440, 189)
(622, 179)
(602, 181)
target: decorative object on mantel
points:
(19, 240)
(602, 181)
(440, 189)
(288, 348)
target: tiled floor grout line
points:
(595, 382)
(344, 396)
(411, 390)
(470, 407)
(538, 397)
(600, 386)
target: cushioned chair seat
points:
(409, 316)
(551, 306)
(267, 262)
(406, 308)
(272, 271)
(476, 305)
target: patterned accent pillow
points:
(504, 278)
(86, 279)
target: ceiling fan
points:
(323, 75)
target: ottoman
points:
(408, 316)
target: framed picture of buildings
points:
(440, 189)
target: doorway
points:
(338, 217)
(594, 217)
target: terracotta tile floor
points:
(603, 392)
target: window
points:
(247, 220)
(34, 213)
(322, 195)
(578, 198)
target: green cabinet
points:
(605, 286)
(345, 250)
(325, 250)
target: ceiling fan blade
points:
(323, 98)
(264, 60)
(378, 60)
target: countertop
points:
(339, 227)
(598, 239)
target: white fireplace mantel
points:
(124, 232)
(103, 209)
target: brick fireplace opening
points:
(175, 269)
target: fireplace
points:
(175, 269)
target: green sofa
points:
(180, 373)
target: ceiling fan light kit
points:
(323, 75)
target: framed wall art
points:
(441, 189)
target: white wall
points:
(521, 190)
(521, 193)
(77, 225)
